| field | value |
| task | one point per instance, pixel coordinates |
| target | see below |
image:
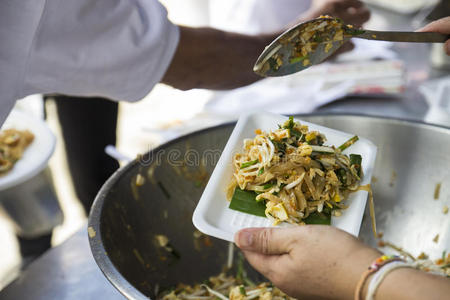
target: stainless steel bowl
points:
(157, 193)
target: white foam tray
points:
(212, 215)
(37, 154)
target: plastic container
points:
(212, 215)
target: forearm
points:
(411, 284)
(400, 284)
(213, 59)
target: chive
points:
(342, 175)
(444, 254)
(268, 186)
(249, 163)
(261, 171)
(356, 159)
(297, 59)
(273, 64)
(353, 31)
(290, 124)
(245, 201)
(348, 143)
(318, 218)
(280, 147)
(240, 271)
(242, 290)
(298, 134)
(206, 282)
(322, 149)
(445, 266)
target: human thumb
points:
(268, 241)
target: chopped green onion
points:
(322, 149)
(268, 186)
(353, 31)
(242, 290)
(249, 163)
(273, 64)
(356, 159)
(348, 143)
(290, 124)
(245, 201)
(280, 147)
(297, 59)
(298, 134)
(261, 171)
(342, 175)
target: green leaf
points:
(318, 218)
(245, 201)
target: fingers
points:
(354, 15)
(268, 241)
(441, 25)
(265, 264)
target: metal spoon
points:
(311, 42)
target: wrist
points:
(360, 264)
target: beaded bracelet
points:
(374, 267)
(379, 276)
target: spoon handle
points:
(399, 36)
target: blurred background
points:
(410, 80)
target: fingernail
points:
(245, 239)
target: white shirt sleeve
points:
(118, 49)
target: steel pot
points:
(156, 195)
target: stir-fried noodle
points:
(295, 175)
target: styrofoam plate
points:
(36, 155)
(212, 215)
